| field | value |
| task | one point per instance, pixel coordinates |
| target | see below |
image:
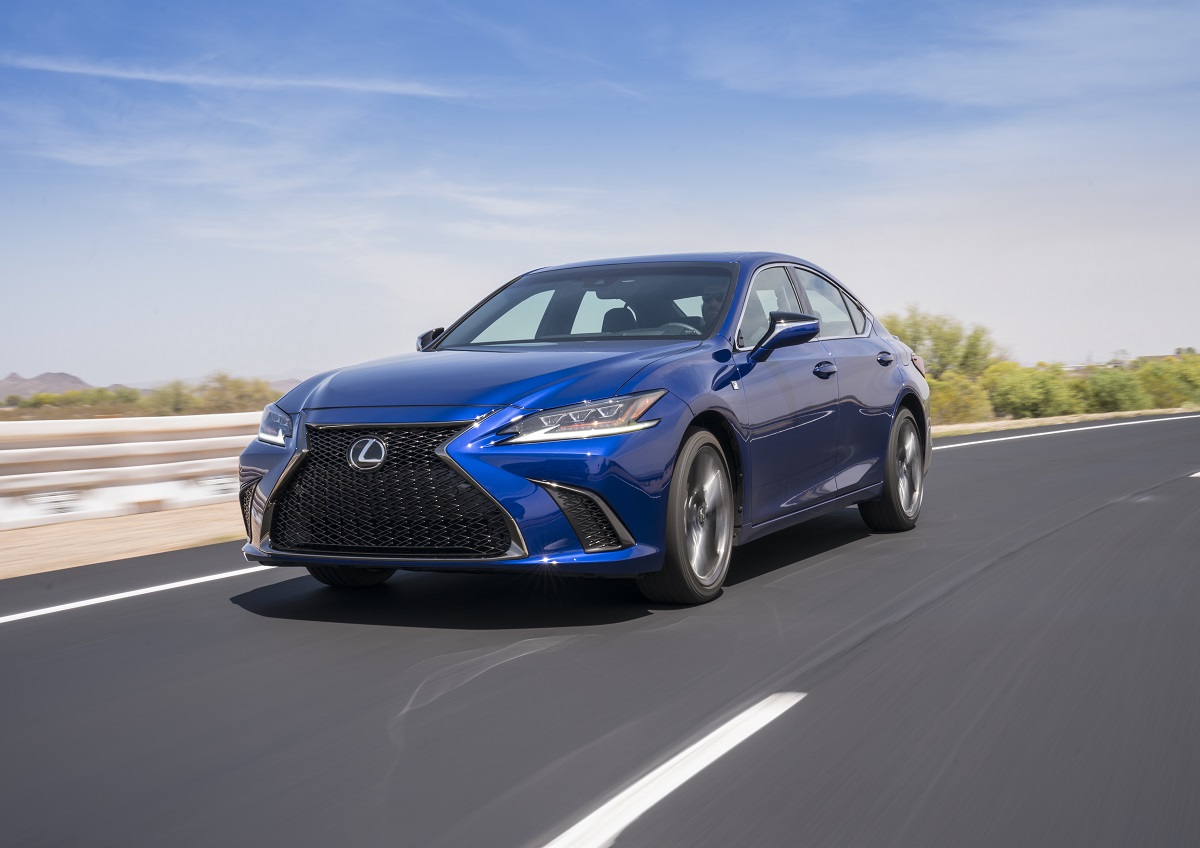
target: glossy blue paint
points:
(793, 416)
(867, 392)
(803, 444)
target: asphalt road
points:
(1023, 669)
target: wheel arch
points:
(912, 402)
(717, 424)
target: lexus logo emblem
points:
(367, 454)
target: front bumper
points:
(629, 473)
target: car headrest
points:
(617, 319)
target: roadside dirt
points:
(32, 550)
(1021, 423)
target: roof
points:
(725, 256)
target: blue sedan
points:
(626, 417)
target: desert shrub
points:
(1171, 382)
(223, 393)
(1113, 390)
(954, 399)
(174, 398)
(1033, 393)
(994, 372)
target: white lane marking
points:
(1197, 474)
(601, 828)
(1059, 432)
(130, 594)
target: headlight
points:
(584, 420)
(276, 425)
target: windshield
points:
(662, 300)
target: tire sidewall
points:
(892, 477)
(693, 443)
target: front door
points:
(792, 413)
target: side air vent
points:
(593, 521)
(246, 496)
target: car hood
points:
(533, 377)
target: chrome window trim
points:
(866, 313)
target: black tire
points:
(903, 479)
(350, 578)
(700, 513)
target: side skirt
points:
(755, 531)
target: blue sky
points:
(274, 188)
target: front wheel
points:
(350, 578)
(903, 479)
(700, 511)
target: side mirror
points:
(787, 329)
(429, 337)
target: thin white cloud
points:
(401, 88)
(1041, 56)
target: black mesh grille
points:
(246, 495)
(414, 505)
(588, 520)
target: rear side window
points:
(829, 305)
(856, 314)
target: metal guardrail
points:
(53, 471)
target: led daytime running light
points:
(606, 417)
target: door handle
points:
(884, 358)
(825, 370)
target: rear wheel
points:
(903, 479)
(350, 578)
(699, 526)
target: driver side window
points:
(770, 292)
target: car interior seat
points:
(618, 319)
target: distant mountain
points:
(57, 383)
(50, 382)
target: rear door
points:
(791, 411)
(869, 379)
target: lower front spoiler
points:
(627, 562)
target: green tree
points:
(954, 399)
(12, 400)
(943, 342)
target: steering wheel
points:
(679, 325)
